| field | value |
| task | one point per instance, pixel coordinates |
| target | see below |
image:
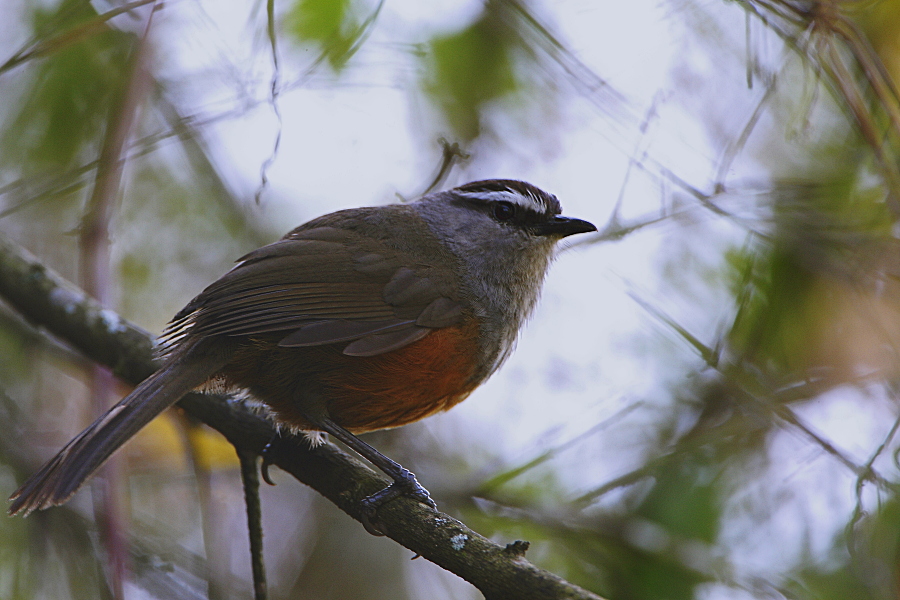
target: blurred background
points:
(705, 404)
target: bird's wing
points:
(325, 285)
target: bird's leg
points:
(405, 483)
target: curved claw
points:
(266, 463)
(367, 519)
(264, 471)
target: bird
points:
(359, 320)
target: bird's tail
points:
(61, 477)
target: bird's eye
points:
(504, 211)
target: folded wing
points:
(324, 285)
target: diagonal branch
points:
(48, 301)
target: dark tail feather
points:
(61, 477)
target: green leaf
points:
(334, 26)
(61, 116)
(319, 19)
(471, 68)
(685, 500)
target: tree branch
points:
(49, 301)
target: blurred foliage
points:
(63, 113)
(824, 236)
(864, 561)
(332, 25)
(684, 500)
(810, 274)
(474, 67)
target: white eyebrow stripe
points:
(528, 202)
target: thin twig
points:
(250, 479)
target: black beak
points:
(562, 226)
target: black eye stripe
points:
(503, 211)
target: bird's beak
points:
(561, 227)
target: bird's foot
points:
(405, 484)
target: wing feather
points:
(324, 285)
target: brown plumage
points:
(359, 393)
